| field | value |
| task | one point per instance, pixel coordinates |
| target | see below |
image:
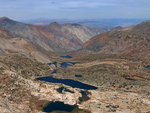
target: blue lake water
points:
(72, 83)
(148, 67)
(63, 64)
(131, 79)
(84, 96)
(61, 89)
(53, 63)
(66, 64)
(78, 75)
(59, 106)
(66, 56)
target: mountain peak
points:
(118, 27)
(4, 18)
(144, 26)
(5, 21)
(146, 23)
(54, 24)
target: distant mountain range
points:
(130, 41)
(103, 24)
(53, 37)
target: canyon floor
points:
(123, 84)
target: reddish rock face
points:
(132, 41)
(5, 34)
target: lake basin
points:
(148, 67)
(66, 56)
(53, 63)
(78, 76)
(59, 106)
(66, 64)
(68, 82)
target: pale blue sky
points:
(74, 9)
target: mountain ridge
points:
(53, 37)
(130, 41)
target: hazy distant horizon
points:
(70, 9)
(104, 24)
(78, 19)
(72, 19)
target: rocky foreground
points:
(123, 86)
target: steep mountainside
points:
(53, 37)
(82, 32)
(11, 44)
(103, 24)
(132, 41)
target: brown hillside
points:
(54, 37)
(131, 41)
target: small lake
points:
(131, 79)
(148, 67)
(72, 83)
(61, 89)
(54, 63)
(59, 106)
(66, 56)
(84, 97)
(78, 76)
(63, 64)
(66, 64)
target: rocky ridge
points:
(53, 37)
(131, 41)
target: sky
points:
(74, 9)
